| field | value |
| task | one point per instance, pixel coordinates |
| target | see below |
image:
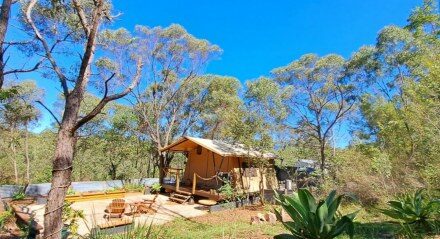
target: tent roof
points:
(219, 147)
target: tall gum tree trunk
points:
(62, 167)
(61, 179)
(26, 148)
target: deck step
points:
(180, 198)
(184, 193)
(177, 200)
(177, 195)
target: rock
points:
(255, 220)
(261, 217)
(270, 217)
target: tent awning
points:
(219, 147)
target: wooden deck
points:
(198, 192)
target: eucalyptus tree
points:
(70, 34)
(400, 109)
(222, 107)
(16, 114)
(170, 105)
(262, 115)
(322, 96)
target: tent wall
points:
(248, 180)
(207, 164)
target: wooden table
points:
(134, 208)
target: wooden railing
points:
(195, 176)
(177, 172)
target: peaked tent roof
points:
(217, 146)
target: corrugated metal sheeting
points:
(43, 188)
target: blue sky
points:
(257, 36)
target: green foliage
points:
(312, 219)
(71, 217)
(156, 187)
(227, 191)
(400, 112)
(133, 187)
(133, 231)
(413, 208)
(5, 217)
(8, 93)
(70, 191)
(19, 195)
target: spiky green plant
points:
(413, 208)
(315, 219)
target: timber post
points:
(194, 184)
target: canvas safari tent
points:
(210, 163)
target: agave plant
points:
(413, 208)
(312, 219)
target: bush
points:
(227, 191)
(360, 174)
(6, 217)
(312, 219)
(20, 195)
(71, 218)
(156, 187)
(413, 208)
(134, 187)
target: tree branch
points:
(63, 79)
(35, 67)
(105, 99)
(82, 17)
(50, 112)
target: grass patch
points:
(236, 224)
(225, 224)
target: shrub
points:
(413, 208)
(134, 187)
(71, 218)
(144, 231)
(312, 219)
(20, 195)
(227, 191)
(5, 217)
(155, 188)
(71, 192)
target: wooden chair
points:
(116, 209)
(147, 206)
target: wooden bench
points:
(114, 226)
(88, 196)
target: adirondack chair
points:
(115, 209)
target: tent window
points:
(199, 150)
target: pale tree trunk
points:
(4, 19)
(261, 184)
(14, 155)
(26, 153)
